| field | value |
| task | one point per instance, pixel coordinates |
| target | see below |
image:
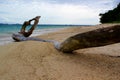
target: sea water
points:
(6, 30)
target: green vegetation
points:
(112, 16)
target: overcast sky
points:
(55, 11)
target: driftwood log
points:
(23, 34)
(94, 38)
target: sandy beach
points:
(34, 60)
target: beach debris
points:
(94, 38)
(22, 35)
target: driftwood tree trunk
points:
(95, 38)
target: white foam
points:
(6, 38)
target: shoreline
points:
(6, 39)
(35, 60)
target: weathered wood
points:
(27, 23)
(22, 35)
(95, 38)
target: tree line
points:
(112, 16)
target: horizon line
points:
(46, 24)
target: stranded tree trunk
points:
(95, 38)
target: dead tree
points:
(95, 38)
(27, 23)
(22, 35)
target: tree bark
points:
(22, 35)
(95, 38)
(27, 23)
